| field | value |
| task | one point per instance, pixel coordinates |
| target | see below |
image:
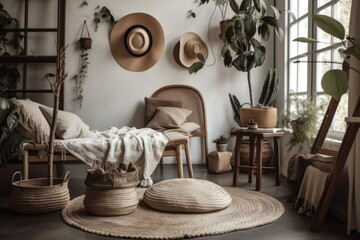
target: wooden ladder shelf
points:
(353, 124)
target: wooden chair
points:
(191, 99)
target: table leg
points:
(259, 144)
(251, 158)
(277, 161)
(237, 158)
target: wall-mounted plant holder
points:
(85, 42)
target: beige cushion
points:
(169, 117)
(68, 124)
(187, 195)
(32, 120)
(152, 103)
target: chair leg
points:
(188, 160)
(179, 161)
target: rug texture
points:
(248, 210)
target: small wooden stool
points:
(219, 162)
(257, 136)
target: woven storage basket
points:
(111, 194)
(266, 117)
(34, 196)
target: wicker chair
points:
(191, 99)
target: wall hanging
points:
(137, 42)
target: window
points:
(304, 78)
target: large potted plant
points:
(265, 115)
(43, 195)
(242, 48)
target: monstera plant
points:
(334, 82)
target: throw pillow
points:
(169, 117)
(152, 103)
(68, 124)
(33, 120)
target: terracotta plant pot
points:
(295, 125)
(85, 43)
(223, 27)
(266, 117)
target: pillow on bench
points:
(69, 125)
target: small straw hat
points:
(137, 42)
(188, 47)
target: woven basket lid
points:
(187, 195)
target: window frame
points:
(310, 55)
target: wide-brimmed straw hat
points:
(137, 41)
(186, 50)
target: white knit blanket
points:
(142, 147)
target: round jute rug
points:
(248, 210)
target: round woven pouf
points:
(187, 195)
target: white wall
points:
(114, 96)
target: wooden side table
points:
(257, 137)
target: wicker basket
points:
(266, 117)
(111, 194)
(34, 196)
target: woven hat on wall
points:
(187, 48)
(137, 41)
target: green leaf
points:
(245, 4)
(250, 27)
(263, 7)
(330, 26)
(229, 34)
(305, 40)
(259, 55)
(279, 33)
(292, 15)
(353, 51)
(276, 12)
(270, 20)
(49, 75)
(250, 62)
(264, 31)
(227, 58)
(341, 52)
(234, 6)
(200, 57)
(257, 4)
(195, 67)
(334, 83)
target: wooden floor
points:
(51, 227)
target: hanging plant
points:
(103, 14)
(9, 45)
(85, 41)
(85, 44)
(81, 77)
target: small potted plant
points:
(221, 143)
(301, 117)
